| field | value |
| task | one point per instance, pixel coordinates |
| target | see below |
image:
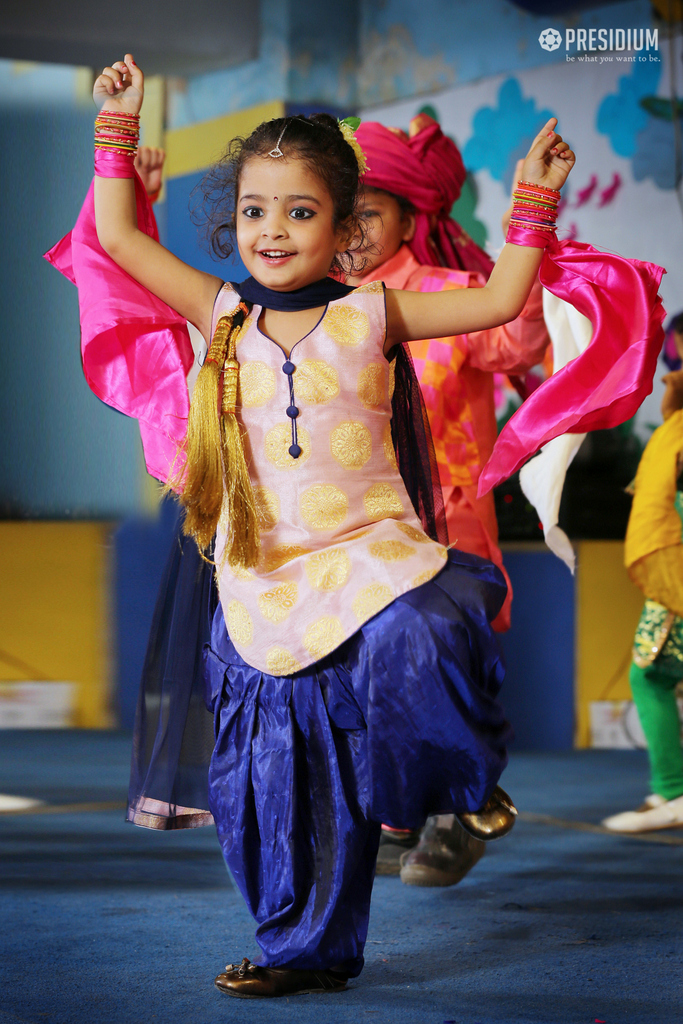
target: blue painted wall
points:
(362, 53)
(408, 49)
(538, 693)
(63, 452)
(203, 97)
(188, 240)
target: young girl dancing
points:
(352, 670)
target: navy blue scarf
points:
(319, 293)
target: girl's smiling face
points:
(285, 223)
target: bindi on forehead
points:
(294, 197)
(284, 179)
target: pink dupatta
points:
(605, 385)
(136, 350)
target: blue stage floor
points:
(104, 923)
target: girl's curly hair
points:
(319, 142)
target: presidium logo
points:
(550, 39)
(590, 40)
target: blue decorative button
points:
(288, 367)
(292, 412)
(294, 451)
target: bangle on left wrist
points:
(534, 213)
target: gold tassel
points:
(215, 462)
(242, 544)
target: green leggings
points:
(655, 698)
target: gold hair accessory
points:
(348, 128)
(215, 465)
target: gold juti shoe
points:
(250, 981)
(494, 820)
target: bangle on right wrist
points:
(117, 131)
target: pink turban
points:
(426, 168)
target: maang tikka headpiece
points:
(348, 129)
(276, 152)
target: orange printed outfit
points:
(456, 378)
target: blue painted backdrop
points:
(538, 693)
(63, 452)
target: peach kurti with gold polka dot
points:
(340, 539)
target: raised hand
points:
(149, 163)
(549, 160)
(120, 87)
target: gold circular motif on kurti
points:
(323, 636)
(240, 626)
(390, 550)
(276, 604)
(278, 442)
(413, 533)
(280, 555)
(279, 662)
(315, 382)
(256, 383)
(347, 325)
(382, 501)
(328, 569)
(240, 572)
(389, 450)
(324, 506)
(392, 378)
(351, 444)
(370, 600)
(372, 287)
(426, 576)
(372, 385)
(267, 508)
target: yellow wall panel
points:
(608, 607)
(199, 145)
(55, 610)
(153, 112)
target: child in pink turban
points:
(410, 186)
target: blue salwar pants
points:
(398, 723)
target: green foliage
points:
(661, 108)
(463, 211)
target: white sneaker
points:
(656, 813)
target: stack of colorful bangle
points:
(534, 207)
(117, 131)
